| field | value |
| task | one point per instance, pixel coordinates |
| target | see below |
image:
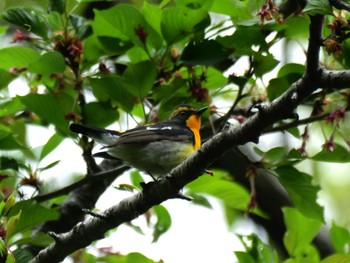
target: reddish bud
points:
(141, 33)
(329, 144)
(18, 36)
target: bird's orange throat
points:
(194, 123)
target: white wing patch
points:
(150, 128)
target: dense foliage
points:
(103, 62)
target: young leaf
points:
(302, 192)
(11, 225)
(29, 19)
(301, 231)
(340, 238)
(163, 222)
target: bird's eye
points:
(182, 113)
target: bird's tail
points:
(102, 136)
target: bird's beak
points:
(200, 111)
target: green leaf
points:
(163, 222)
(336, 258)
(7, 139)
(51, 62)
(135, 257)
(5, 78)
(232, 194)
(340, 238)
(17, 57)
(244, 257)
(123, 22)
(11, 106)
(322, 7)
(8, 163)
(22, 255)
(58, 6)
(110, 88)
(339, 155)
(302, 192)
(264, 63)
(50, 108)
(206, 52)
(139, 78)
(196, 4)
(11, 225)
(29, 19)
(32, 214)
(178, 22)
(301, 231)
(100, 114)
(49, 166)
(50, 145)
(8, 204)
(39, 239)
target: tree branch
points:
(168, 187)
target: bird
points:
(154, 148)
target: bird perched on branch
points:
(155, 149)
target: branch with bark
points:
(93, 228)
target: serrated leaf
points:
(18, 57)
(339, 155)
(322, 7)
(301, 230)
(139, 78)
(302, 192)
(29, 19)
(163, 222)
(50, 62)
(178, 22)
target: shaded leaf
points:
(58, 6)
(29, 19)
(100, 114)
(205, 52)
(22, 255)
(11, 106)
(11, 225)
(5, 78)
(8, 163)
